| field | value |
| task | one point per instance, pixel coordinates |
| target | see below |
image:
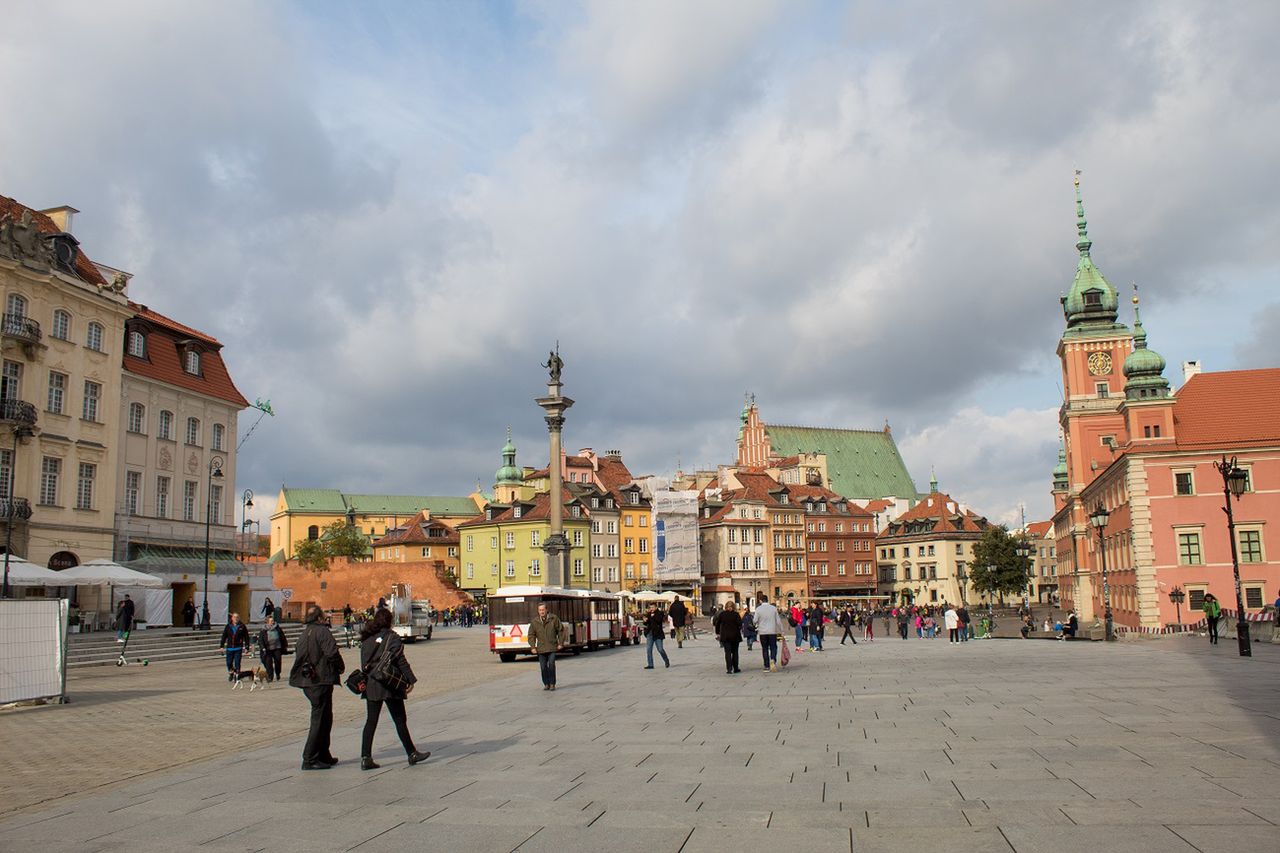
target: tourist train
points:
(591, 618)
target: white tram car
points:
(591, 619)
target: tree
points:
(336, 540)
(997, 568)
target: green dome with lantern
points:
(1091, 304)
(1144, 368)
(1060, 476)
(508, 474)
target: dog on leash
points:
(257, 678)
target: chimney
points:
(1189, 369)
(61, 216)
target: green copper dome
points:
(1060, 470)
(1144, 368)
(1091, 303)
(508, 473)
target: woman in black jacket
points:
(378, 640)
(728, 628)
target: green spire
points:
(1144, 368)
(508, 474)
(1083, 243)
(933, 480)
(1092, 304)
(1060, 470)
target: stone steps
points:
(101, 648)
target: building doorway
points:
(238, 601)
(182, 592)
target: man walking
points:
(544, 638)
(962, 619)
(124, 618)
(728, 628)
(816, 618)
(317, 665)
(769, 626)
(679, 615)
(846, 622)
(655, 623)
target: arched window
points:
(218, 432)
(93, 340)
(166, 425)
(137, 418)
(313, 532)
(16, 306)
(137, 344)
(193, 362)
(61, 325)
(193, 431)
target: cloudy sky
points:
(861, 212)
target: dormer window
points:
(575, 511)
(608, 503)
(137, 344)
(516, 513)
(783, 498)
(634, 497)
(488, 513)
(192, 365)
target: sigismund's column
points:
(555, 404)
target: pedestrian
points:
(189, 614)
(235, 639)
(655, 624)
(846, 622)
(268, 609)
(817, 618)
(272, 647)
(1027, 626)
(868, 627)
(545, 638)
(124, 618)
(679, 614)
(1073, 625)
(1212, 613)
(951, 619)
(728, 629)
(795, 618)
(381, 651)
(748, 628)
(769, 625)
(317, 665)
(962, 624)
(903, 620)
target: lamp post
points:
(246, 501)
(12, 506)
(215, 472)
(1024, 550)
(1235, 481)
(1099, 518)
(963, 579)
(1177, 596)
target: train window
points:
(513, 611)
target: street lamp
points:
(1099, 518)
(215, 472)
(246, 501)
(1235, 481)
(1177, 596)
(964, 580)
(12, 506)
(1025, 550)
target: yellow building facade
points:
(503, 547)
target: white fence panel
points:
(33, 649)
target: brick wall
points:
(362, 584)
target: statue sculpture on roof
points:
(555, 364)
(22, 241)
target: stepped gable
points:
(861, 463)
(85, 268)
(1230, 408)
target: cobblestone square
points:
(1161, 745)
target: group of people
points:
(273, 645)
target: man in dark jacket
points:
(545, 638)
(655, 625)
(679, 615)
(317, 665)
(846, 622)
(962, 613)
(728, 628)
(272, 647)
(124, 618)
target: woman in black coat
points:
(376, 640)
(728, 628)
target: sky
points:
(859, 212)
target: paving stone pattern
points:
(1164, 745)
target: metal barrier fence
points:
(33, 649)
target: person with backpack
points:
(317, 665)
(679, 614)
(748, 628)
(388, 681)
(728, 628)
(1212, 613)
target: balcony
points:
(18, 509)
(20, 328)
(17, 413)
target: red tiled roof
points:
(801, 492)
(878, 505)
(85, 268)
(613, 474)
(540, 510)
(164, 363)
(934, 506)
(1230, 408)
(1037, 529)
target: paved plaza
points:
(1156, 745)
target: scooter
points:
(122, 660)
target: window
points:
(517, 511)
(612, 528)
(629, 546)
(1196, 599)
(6, 474)
(218, 432)
(535, 539)
(633, 498)
(733, 564)
(16, 306)
(577, 568)
(644, 521)
(137, 345)
(631, 570)
(511, 568)
(813, 544)
(165, 430)
(777, 540)
(1189, 549)
(930, 550)
(93, 340)
(189, 508)
(57, 392)
(757, 537)
(840, 568)
(597, 550)
(193, 432)
(839, 544)
(611, 550)
(613, 574)
(644, 546)
(511, 540)
(50, 471)
(628, 521)
(535, 568)
(92, 393)
(471, 543)
(137, 417)
(1183, 484)
(162, 497)
(575, 511)
(1103, 389)
(1252, 597)
(132, 491)
(61, 326)
(215, 504)
(192, 365)
(733, 535)
(11, 383)
(577, 538)
(471, 570)
(1250, 546)
(84, 486)
(597, 575)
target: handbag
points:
(356, 682)
(784, 655)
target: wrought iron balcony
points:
(22, 328)
(17, 412)
(15, 508)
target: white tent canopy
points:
(106, 573)
(23, 573)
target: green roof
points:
(335, 501)
(862, 464)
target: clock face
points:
(1100, 363)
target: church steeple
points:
(1092, 304)
(508, 474)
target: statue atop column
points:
(554, 365)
